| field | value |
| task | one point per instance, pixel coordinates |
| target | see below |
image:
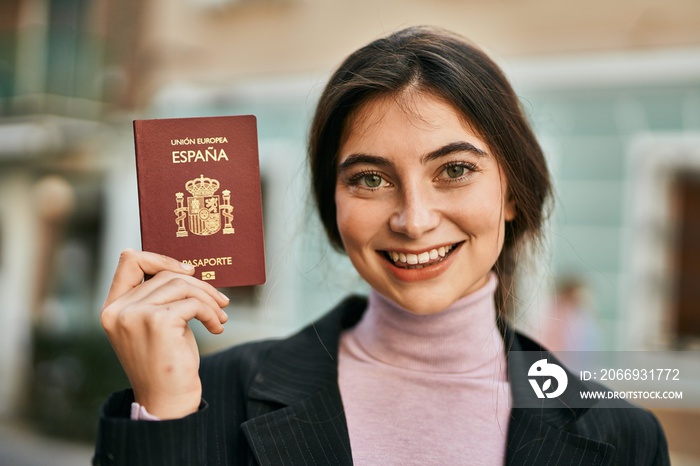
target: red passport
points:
(199, 195)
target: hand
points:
(147, 324)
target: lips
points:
(422, 259)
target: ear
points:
(509, 209)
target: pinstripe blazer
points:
(278, 403)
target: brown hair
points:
(446, 65)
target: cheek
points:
(481, 214)
(349, 225)
(347, 233)
(361, 222)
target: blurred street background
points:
(612, 89)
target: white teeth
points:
(422, 258)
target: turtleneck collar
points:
(464, 338)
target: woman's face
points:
(421, 201)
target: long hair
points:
(446, 65)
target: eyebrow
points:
(357, 159)
(451, 148)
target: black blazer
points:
(278, 403)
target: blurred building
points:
(613, 89)
(51, 105)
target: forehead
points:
(420, 107)
(410, 118)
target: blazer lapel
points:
(540, 430)
(534, 441)
(297, 417)
(295, 404)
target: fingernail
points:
(223, 296)
(186, 266)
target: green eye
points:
(455, 171)
(372, 181)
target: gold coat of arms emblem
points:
(204, 210)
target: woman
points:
(427, 175)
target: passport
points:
(200, 195)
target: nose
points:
(415, 215)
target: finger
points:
(177, 286)
(164, 289)
(221, 299)
(134, 265)
(192, 308)
(180, 288)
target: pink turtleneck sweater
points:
(426, 390)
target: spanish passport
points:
(200, 195)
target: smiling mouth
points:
(420, 260)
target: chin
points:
(430, 296)
(421, 303)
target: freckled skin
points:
(419, 203)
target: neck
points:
(463, 338)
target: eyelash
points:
(356, 179)
(470, 168)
